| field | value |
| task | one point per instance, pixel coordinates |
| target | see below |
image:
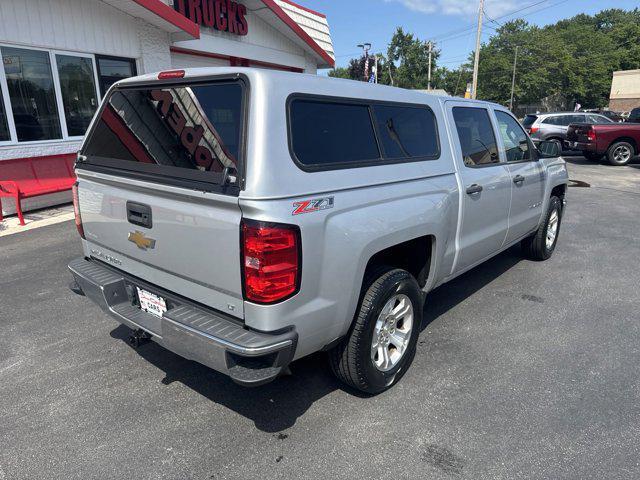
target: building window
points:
(112, 69)
(32, 94)
(5, 135)
(78, 88)
(52, 95)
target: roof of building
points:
(307, 28)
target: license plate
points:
(152, 303)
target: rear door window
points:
(407, 132)
(598, 119)
(325, 134)
(189, 132)
(477, 139)
(563, 120)
(577, 118)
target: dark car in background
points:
(553, 126)
(610, 114)
(634, 116)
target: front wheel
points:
(541, 245)
(382, 341)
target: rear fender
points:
(338, 242)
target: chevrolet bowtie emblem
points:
(141, 241)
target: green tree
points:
(572, 60)
(355, 69)
(410, 59)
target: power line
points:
(472, 27)
(492, 20)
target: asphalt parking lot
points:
(524, 370)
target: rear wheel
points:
(382, 342)
(620, 153)
(541, 245)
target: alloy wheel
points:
(392, 333)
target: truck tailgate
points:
(577, 132)
(192, 247)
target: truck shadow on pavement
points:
(444, 298)
(277, 406)
(635, 162)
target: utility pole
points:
(476, 62)
(513, 80)
(430, 45)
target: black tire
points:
(351, 360)
(592, 157)
(535, 246)
(616, 153)
(559, 142)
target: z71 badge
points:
(310, 206)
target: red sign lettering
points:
(223, 15)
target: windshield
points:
(170, 130)
(529, 120)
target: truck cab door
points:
(484, 181)
(527, 174)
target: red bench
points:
(32, 177)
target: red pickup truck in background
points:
(620, 142)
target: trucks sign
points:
(223, 15)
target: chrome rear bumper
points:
(250, 358)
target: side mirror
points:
(549, 149)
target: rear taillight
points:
(271, 261)
(591, 134)
(76, 210)
(533, 130)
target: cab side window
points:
(516, 143)
(475, 131)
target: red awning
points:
(161, 15)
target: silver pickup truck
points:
(246, 218)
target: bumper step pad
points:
(250, 358)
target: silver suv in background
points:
(554, 126)
(247, 218)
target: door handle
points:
(139, 214)
(473, 189)
(518, 179)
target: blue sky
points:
(357, 21)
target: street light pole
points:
(476, 62)
(430, 45)
(513, 80)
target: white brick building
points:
(59, 57)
